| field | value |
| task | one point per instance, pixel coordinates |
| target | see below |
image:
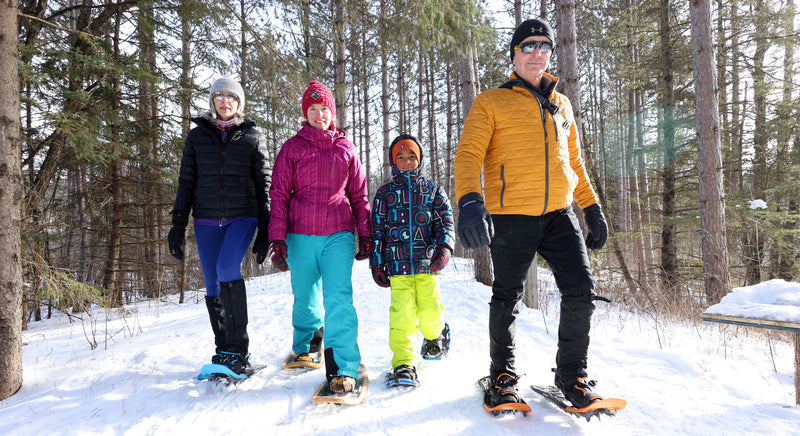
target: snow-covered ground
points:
(677, 379)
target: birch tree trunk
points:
(11, 198)
(712, 197)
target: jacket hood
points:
(411, 175)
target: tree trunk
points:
(481, 256)
(365, 90)
(783, 259)
(11, 199)
(149, 135)
(644, 194)
(111, 276)
(385, 105)
(340, 63)
(243, 49)
(186, 114)
(712, 196)
(753, 243)
(451, 120)
(737, 130)
(669, 257)
(431, 105)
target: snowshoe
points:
(500, 395)
(576, 387)
(605, 406)
(303, 360)
(402, 375)
(325, 394)
(436, 349)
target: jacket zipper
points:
(410, 226)
(222, 174)
(546, 157)
(503, 180)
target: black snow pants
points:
(557, 237)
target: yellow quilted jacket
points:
(531, 164)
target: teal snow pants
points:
(321, 270)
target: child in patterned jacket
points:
(412, 240)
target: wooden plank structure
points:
(768, 324)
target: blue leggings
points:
(222, 249)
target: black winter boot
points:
(237, 363)
(502, 332)
(331, 368)
(502, 389)
(576, 387)
(436, 349)
(573, 332)
(233, 296)
(316, 341)
(402, 375)
(217, 317)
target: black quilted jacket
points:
(224, 180)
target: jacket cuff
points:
(472, 197)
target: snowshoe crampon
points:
(605, 406)
(303, 361)
(502, 409)
(402, 376)
(325, 395)
(217, 373)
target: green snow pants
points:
(415, 307)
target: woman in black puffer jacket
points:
(224, 182)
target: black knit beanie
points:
(532, 27)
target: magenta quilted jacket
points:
(318, 186)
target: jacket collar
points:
(547, 87)
(208, 116)
(204, 119)
(317, 136)
(411, 176)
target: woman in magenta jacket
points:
(319, 199)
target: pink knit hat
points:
(317, 93)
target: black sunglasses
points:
(531, 46)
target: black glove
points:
(598, 229)
(474, 222)
(177, 233)
(261, 245)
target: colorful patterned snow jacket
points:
(531, 158)
(411, 216)
(318, 186)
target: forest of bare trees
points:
(688, 113)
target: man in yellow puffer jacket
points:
(523, 136)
